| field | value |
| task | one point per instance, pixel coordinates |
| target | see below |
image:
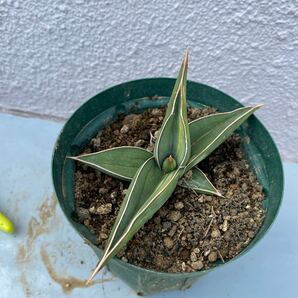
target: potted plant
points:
(170, 223)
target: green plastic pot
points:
(134, 97)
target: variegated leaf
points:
(208, 132)
(199, 183)
(173, 139)
(121, 162)
(148, 191)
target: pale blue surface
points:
(269, 270)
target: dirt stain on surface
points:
(67, 283)
(25, 284)
(37, 227)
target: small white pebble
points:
(225, 225)
(103, 236)
(124, 129)
(201, 199)
(174, 215)
(150, 148)
(207, 252)
(179, 205)
(113, 194)
(124, 259)
(104, 209)
(193, 257)
(156, 134)
(139, 143)
(156, 112)
(168, 242)
(92, 209)
(198, 265)
(215, 233)
(196, 250)
(212, 257)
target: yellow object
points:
(5, 224)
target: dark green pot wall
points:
(133, 97)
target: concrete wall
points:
(56, 54)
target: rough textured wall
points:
(56, 54)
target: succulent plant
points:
(179, 147)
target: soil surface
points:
(191, 231)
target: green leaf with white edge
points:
(208, 132)
(148, 191)
(120, 162)
(200, 183)
(174, 139)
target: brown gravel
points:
(190, 232)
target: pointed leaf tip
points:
(148, 191)
(146, 179)
(72, 157)
(199, 183)
(208, 132)
(258, 106)
(186, 57)
(174, 138)
(120, 162)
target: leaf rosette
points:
(179, 147)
